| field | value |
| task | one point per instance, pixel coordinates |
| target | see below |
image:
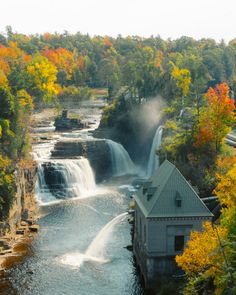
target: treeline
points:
(38, 69)
(143, 66)
(197, 81)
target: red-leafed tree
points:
(216, 118)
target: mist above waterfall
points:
(148, 116)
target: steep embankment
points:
(19, 224)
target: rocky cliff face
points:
(25, 204)
(96, 151)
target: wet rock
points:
(4, 245)
(30, 221)
(20, 232)
(96, 151)
(129, 247)
(23, 223)
(34, 228)
(4, 252)
(63, 122)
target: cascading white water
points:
(74, 177)
(96, 250)
(181, 113)
(121, 162)
(153, 162)
(42, 192)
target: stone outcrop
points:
(63, 122)
(96, 151)
(25, 205)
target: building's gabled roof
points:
(158, 196)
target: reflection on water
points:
(67, 229)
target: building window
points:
(178, 203)
(179, 243)
(178, 200)
(144, 191)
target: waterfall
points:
(64, 178)
(42, 190)
(121, 162)
(153, 162)
(181, 113)
(95, 251)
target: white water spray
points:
(77, 175)
(181, 113)
(121, 161)
(153, 162)
(96, 250)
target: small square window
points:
(179, 243)
(149, 197)
(178, 203)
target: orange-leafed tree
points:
(62, 58)
(216, 118)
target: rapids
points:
(80, 248)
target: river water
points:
(80, 248)
(67, 230)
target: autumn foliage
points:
(61, 58)
(226, 188)
(42, 76)
(210, 254)
(203, 251)
(182, 79)
(216, 119)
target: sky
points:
(167, 18)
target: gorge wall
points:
(25, 205)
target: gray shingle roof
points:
(158, 197)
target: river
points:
(81, 246)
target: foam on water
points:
(96, 250)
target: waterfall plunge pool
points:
(70, 230)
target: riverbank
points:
(14, 247)
(19, 227)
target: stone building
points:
(167, 209)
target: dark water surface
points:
(67, 229)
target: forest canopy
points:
(197, 82)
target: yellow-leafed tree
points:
(42, 77)
(202, 253)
